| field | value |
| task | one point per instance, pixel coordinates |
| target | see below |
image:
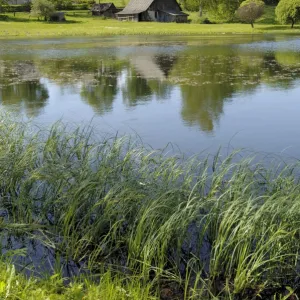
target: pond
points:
(196, 93)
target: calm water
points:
(198, 94)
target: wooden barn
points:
(153, 10)
(104, 9)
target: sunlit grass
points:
(17, 286)
(192, 228)
(83, 25)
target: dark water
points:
(197, 93)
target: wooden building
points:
(153, 10)
(104, 9)
(57, 17)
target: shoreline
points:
(22, 26)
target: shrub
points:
(288, 11)
(2, 2)
(42, 8)
(201, 20)
(16, 8)
(251, 10)
(83, 6)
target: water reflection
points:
(28, 96)
(101, 89)
(146, 78)
(204, 77)
(22, 88)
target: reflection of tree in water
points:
(101, 92)
(281, 69)
(165, 62)
(147, 78)
(202, 105)
(30, 96)
(205, 84)
(135, 89)
(288, 59)
(97, 75)
(21, 88)
(68, 70)
(209, 77)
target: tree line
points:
(287, 11)
(195, 5)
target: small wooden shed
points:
(153, 10)
(57, 17)
(104, 9)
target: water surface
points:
(197, 93)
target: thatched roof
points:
(136, 7)
(102, 7)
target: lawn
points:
(80, 23)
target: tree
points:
(62, 4)
(288, 11)
(42, 8)
(221, 10)
(2, 2)
(251, 10)
(218, 10)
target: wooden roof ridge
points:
(136, 7)
(102, 6)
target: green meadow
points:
(81, 23)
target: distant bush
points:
(288, 11)
(83, 6)
(201, 20)
(2, 3)
(27, 7)
(70, 6)
(251, 10)
(42, 8)
(89, 2)
(16, 8)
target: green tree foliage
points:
(288, 11)
(2, 2)
(222, 10)
(218, 10)
(251, 10)
(42, 8)
(62, 4)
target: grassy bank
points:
(17, 286)
(80, 24)
(139, 224)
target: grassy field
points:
(81, 24)
(144, 225)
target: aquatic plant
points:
(177, 227)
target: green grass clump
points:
(16, 286)
(166, 226)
